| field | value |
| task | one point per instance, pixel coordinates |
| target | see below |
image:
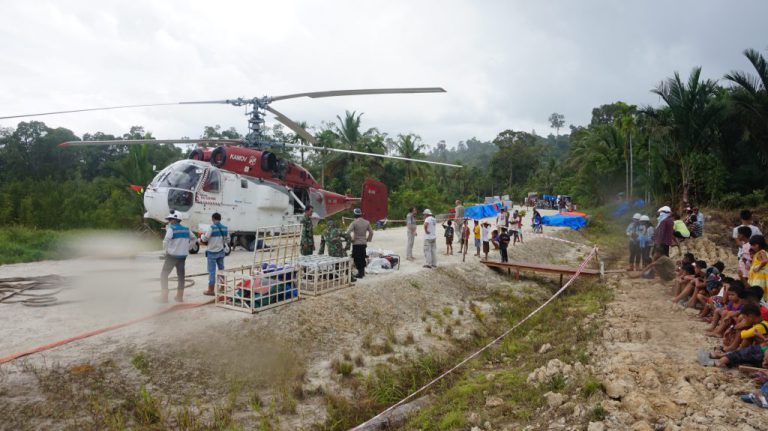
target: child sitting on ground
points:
(734, 338)
(729, 301)
(694, 281)
(712, 292)
(729, 315)
(710, 286)
(749, 348)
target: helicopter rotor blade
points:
(148, 141)
(334, 93)
(292, 125)
(362, 153)
(105, 108)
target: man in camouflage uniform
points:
(333, 236)
(307, 244)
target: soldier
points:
(334, 236)
(307, 232)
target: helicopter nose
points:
(156, 204)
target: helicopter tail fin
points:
(374, 200)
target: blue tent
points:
(477, 212)
(573, 222)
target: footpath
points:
(649, 370)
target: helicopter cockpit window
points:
(213, 182)
(182, 177)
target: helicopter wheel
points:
(195, 248)
(248, 242)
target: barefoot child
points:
(755, 329)
(448, 226)
(464, 243)
(485, 238)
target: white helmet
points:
(636, 216)
(427, 212)
(665, 209)
(645, 218)
(357, 212)
(173, 216)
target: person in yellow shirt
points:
(476, 231)
(752, 341)
(758, 272)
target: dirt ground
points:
(649, 366)
(282, 357)
(647, 363)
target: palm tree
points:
(410, 146)
(694, 112)
(751, 95)
(599, 149)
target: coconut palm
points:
(410, 146)
(694, 112)
(751, 94)
(597, 158)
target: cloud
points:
(504, 64)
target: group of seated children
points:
(733, 307)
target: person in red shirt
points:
(664, 231)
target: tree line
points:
(706, 144)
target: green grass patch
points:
(140, 362)
(516, 357)
(467, 390)
(22, 244)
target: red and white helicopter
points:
(250, 186)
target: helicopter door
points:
(211, 191)
(303, 196)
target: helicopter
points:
(249, 185)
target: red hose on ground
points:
(82, 336)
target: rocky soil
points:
(647, 367)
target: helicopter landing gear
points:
(247, 242)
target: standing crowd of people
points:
(508, 231)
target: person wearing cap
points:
(217, 237)
(664, 231)
(307, 244)
(646, 240)
(430, 239)
(634, 231)
(176, 247)
(362, 234)
(410, 225)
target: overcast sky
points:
(505, 64)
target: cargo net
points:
(323, 274)
(272, 280)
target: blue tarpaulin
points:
(477, 212)
(623, 208)
(573, 222)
